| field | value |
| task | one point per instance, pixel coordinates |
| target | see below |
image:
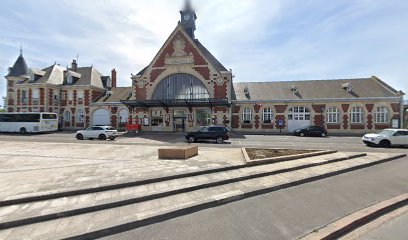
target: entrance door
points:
(298, 117)
(101, 117)
(179, 124)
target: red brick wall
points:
(395, 107)
(247, 126)
(356, 126)
(280, 108)
(75, 97)
(235, 122)
(96, 94)
(345, 108)
(155, 73)
(220, 91)
(267, 126)
(333, 126)
(50, 96)
(42, 96)
(30, 94)
(18, 96)
(203, 71)
(381, 126)
(257, 121)
(114, 121)
(369, 121)
(257, 108)
(221, 109)
(87, 97)
(141, 93)
(237, 109)
(369, 107)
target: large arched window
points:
(180, 86)
(67, 116)
(333, 115)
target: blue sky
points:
(260, 40)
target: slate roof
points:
(313, 90)
(19, 68)
(209, 56)
(117, 94)
(56, 75)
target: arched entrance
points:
(101, 117)
(181, 87)
(298, 117)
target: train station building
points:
(185, 87)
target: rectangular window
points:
(70, 96)
(35, 97)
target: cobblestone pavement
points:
(33, 168)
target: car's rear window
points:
(216, 129)
(110, 128)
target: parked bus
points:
(28, 122)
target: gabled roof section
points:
(54, 74)
(89, 76)
(312, 90)
(217, 64)
(209, 58)
(19, 68)
(115, 95)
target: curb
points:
(355, 220)
(156, 218)
(84, 210)
(250, 162)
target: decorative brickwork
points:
(42, 96)
(267, 126)
(345, 107)
(280, 108)
(75, 97)
(18, 97)
(345, 121)
(237, 109)
(30, 96)
(220, 91)
(114, 121)
(357, 126)
(235, 122)
(369, 107)
(395, 107)
(257, 107)
(333, 126)
(319, 120)
(155, 73)
(221, 109)
(257, 122)
(370, 121)
(141, 93)
(87, 97)
(203, 71)
(381, 126)
(247, 126)
(319, 108)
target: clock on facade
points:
(220, 81)
(186, 17)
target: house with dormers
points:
(66, 91)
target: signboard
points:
(146, 121)
(280, 122)
(191, 117)
(395, 123)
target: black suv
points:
(216, 133)
(317, 131)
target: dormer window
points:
(294, 89)
(32, 77)
(70, 80)
(347, 87)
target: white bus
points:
(28, 122)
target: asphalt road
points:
(352, 144)
(286, 214)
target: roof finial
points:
(187, 5)
(21, 49)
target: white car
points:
(387, 138)
(99, 132)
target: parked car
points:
(217, 133)
(387, 138)
(99, 132)
(317, 131)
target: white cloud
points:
(260, 40)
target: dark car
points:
(217, 133)
(316, 131)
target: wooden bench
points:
(178, 153)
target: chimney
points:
(74, 65)
(113, 77)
